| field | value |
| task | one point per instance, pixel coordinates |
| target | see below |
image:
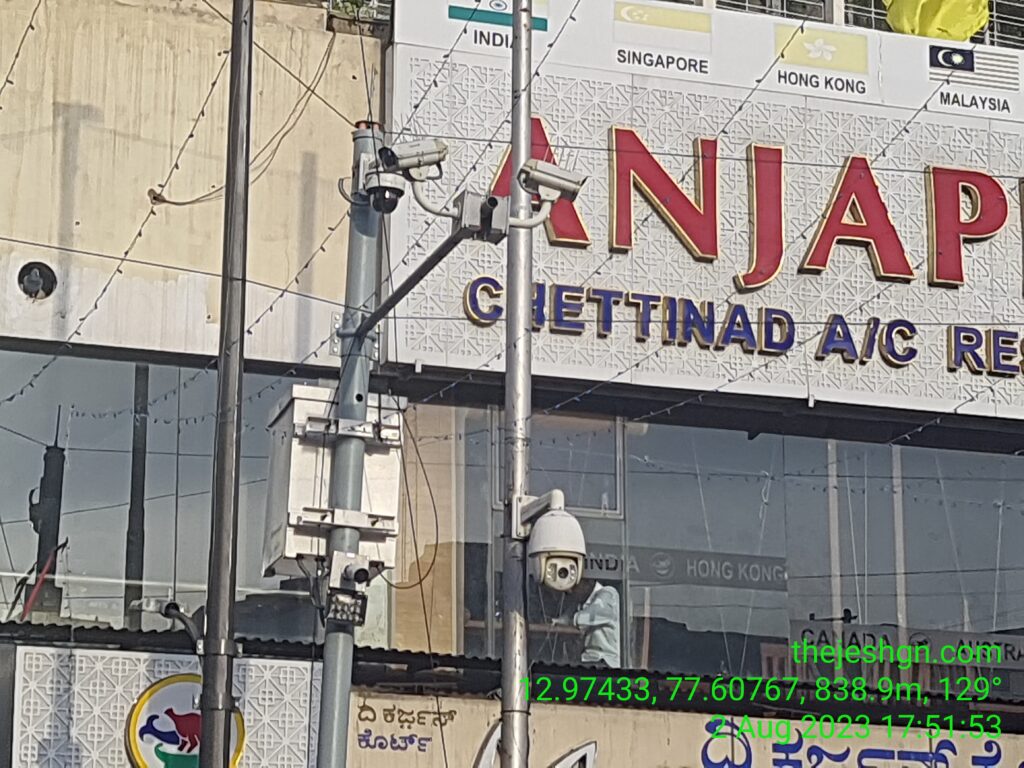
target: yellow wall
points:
(104, 94)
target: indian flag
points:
(822, 49)
(662, 27)
(496, 12)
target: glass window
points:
(867, 13)
(800, 9)
(576, 455)
(106, 467)
(707, 544)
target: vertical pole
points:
(45, 516)
(834, 551)
(135, 540)
(899, 544)
(217, 704)
(515, 734)
(350, 452)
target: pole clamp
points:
(222, 647)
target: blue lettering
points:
(962, 345)
(902, 330)
(777, 331)
(1000, 351)
(539, 300)
(737, 330)
(491, 289)
(644, 303)
(837, 338)
(698, 323)
(606, 300)
(566, 307)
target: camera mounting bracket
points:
(526, 509)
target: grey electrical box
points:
(299, 515)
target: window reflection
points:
(97, 432)
(706, 520)
(723, 548)
(720, 548)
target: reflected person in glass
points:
(598, 622)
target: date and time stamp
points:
(788, 691)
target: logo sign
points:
(822, 49)
(650, 566)
(670, 28)
(999, 70)
(163, 728)
(495, 12)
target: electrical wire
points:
(297, 110)
(445, 62)
(10, 560)
(283, 67)
(30, 27)
(23, 436)
(119, 269)
(156, 197)
(157, 265)
(606, 149)
(411, 249)
(262, 160)
(166, 395)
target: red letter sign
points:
(947, 229)
(695, 224)
(857, 214)
(564, 226)
(764, 169)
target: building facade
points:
(777, 358)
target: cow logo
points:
(163, 727)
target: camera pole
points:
(515, 707)
(217, 704)
(349, 452)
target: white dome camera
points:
(385, 189)
(557, 550)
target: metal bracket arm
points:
(526, 509)
(366, 522)
(326, 430)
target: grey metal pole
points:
(350, 452)
(135, 539)
(217, 704)
(515, 734)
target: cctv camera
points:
(557, 550)
(411, 155)
(549, 181)
(348, 568)
(357, 573)
(384, 189)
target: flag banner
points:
(966, 66)
(944, 19)
(495, 12)
(660, 27)
(822, 49)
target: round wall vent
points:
(37, 280)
